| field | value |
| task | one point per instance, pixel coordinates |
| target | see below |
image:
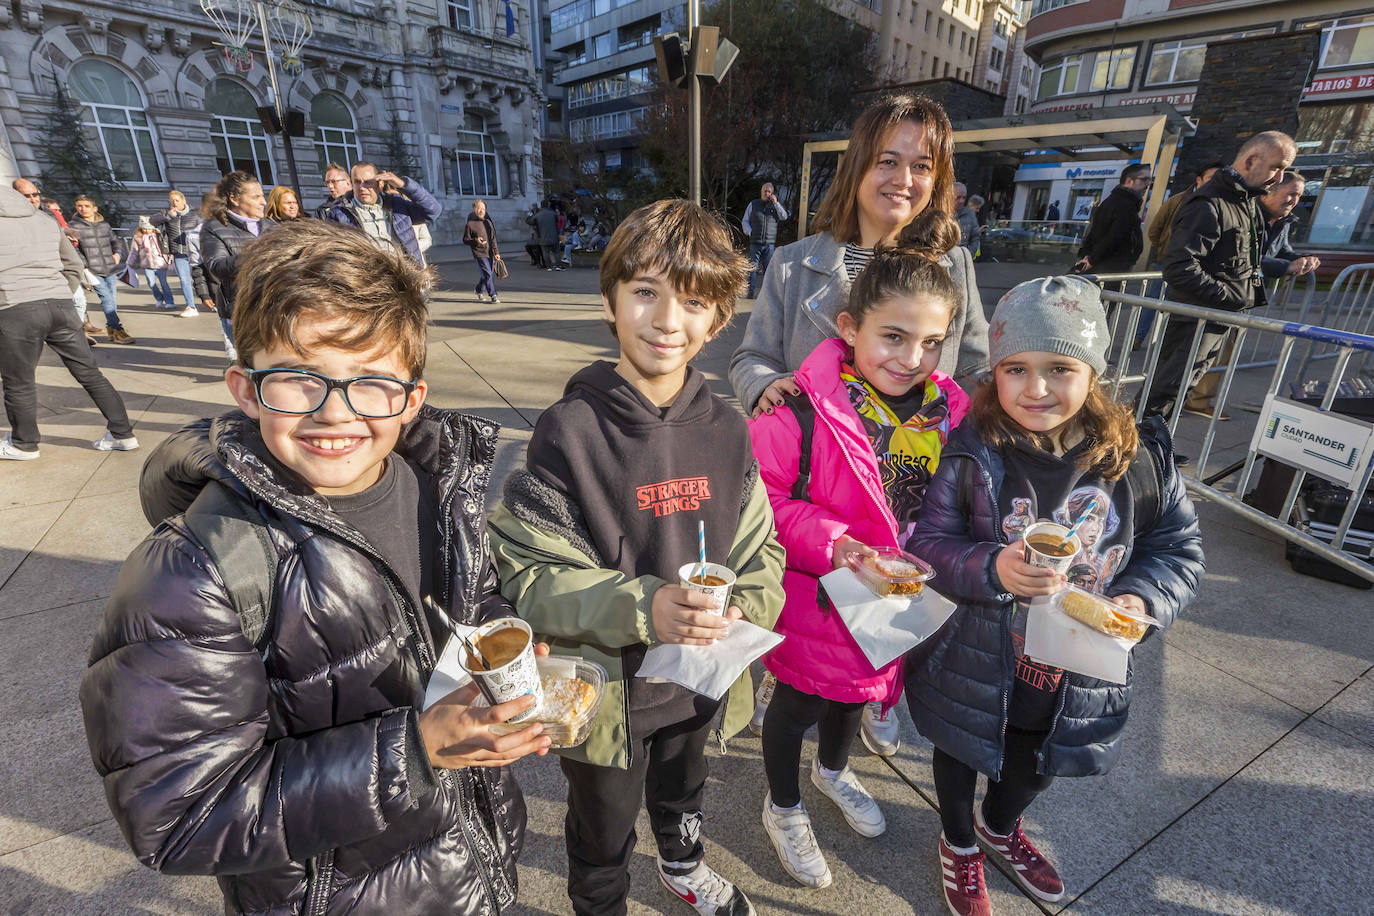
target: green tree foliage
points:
(74, 166)
(400, 158)
(799, 67)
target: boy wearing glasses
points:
(297, 765)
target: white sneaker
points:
(857, 806)
(108, 443)
(189, 312)
(795, 842)
(879, 729)
(11, 452)
(762, 697)
(705, 891)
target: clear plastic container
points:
(1103, 614)
(892, 572)
(563, 732)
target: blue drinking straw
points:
(701, 549)
(1087, 511)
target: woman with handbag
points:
(479, 234)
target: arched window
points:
(475, 171)
(116, 121)
(240, 142)
(336, 135)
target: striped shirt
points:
(856, 258)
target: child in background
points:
(882, 415)
(589, 540)
(147, 254)
(1041, 436)
(291, 757)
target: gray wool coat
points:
(806, 287)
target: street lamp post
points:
(706, 56)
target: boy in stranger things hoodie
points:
(590, 537)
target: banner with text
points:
(1334, 447)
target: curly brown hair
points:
(1107, 426)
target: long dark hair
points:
(909, 268)
(218, 201)
(839, 212)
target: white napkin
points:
(1057, 639)
(884, 628)
(449, 674)
(709, 670)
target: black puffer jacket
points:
(97, 244)
(1214, 253)
(959, 681)
(175, 224)
(221, 241)
(296, 772)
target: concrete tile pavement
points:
(1246, 760)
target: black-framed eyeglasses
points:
(300, 392)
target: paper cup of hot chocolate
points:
(712, 579)
(507, 644)
(1044, 546)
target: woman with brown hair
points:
(895, 181)
(235, 214)
(283, 205)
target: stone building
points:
(166, 105)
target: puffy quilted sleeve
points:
(175, 707)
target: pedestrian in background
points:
(283, 205)
(479, 234)
(339, 188)
(760, 223)
(545, 223)
(147, 254)
(1114, 239)
(236, 214)
(1163, 225)
(387, 218)
(39, 270)
(103, 253)
(1276, 206)
(965, 216)
(177, 222)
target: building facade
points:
(1096, 53)
(170, 106)
(924, 39)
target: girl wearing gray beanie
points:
(1041, 443)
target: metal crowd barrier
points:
(1256, 336)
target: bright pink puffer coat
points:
(818, 655)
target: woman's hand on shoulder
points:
(775, 394)
(1022, 579)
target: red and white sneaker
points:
(961, 878)
(1028, 866)
(701, 888)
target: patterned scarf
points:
(908, 453)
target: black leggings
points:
(1006, 798)
(789, 715)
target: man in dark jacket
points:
(479, 234)
(103, 253)
(760, 223)
(338, 187)
(291, 753)
(39, 270)
(387, 218)
(1163, 224)
(545, 223)
(1114, 239)
(1214, 257)
(1276, 206)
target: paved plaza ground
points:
(1245, 786)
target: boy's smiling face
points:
(335, 451)
(660, 329)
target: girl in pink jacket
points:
(882, 415)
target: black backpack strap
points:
(805, 412)
(238, 544)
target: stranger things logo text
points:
(680, 495)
